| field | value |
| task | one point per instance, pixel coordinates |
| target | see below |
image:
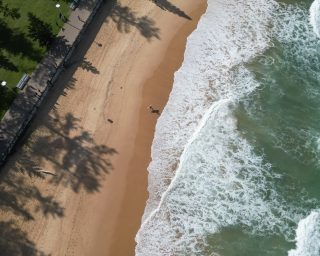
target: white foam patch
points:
(300, 48)
(229, 186)
(291, 28)
(229, 33)
(203, 175)
(315, 17)
(308, 236)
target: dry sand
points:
(93, 186)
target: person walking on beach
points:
(153, 110)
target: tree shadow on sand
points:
(167, 6)
(16, 193)
(75, 159)
(125, 19)
(14, 242)
(85, 64)
(61, 153)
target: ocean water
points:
(236, 155)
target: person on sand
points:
(153, 110)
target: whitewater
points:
(208, 179)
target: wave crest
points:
(315, 17)
(308, 236)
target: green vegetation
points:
(27, 28)
(7, 96)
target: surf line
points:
(214, 106)
(315, 17)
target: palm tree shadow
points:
(167, 6)
(15, 242)
(85, 64)
(16, 193)
(71, 158)
(125, 19)
(77, 161)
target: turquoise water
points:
(281, 120)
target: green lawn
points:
(23, 53)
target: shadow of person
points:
(156, 111)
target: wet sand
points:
(93, 189)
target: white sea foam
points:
(300, 51)
(315, 16)
(230, 186)
(308, 236)
(224, 39)
(204, 175)
(230, 33)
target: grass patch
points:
(7, 96)
(20, 53)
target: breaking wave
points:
(308, 236)
(204, 175)
(315, 17)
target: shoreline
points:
(162, 81)
(101, 167)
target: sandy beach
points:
(77, 183)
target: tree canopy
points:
(40, 30)
(6, 11)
